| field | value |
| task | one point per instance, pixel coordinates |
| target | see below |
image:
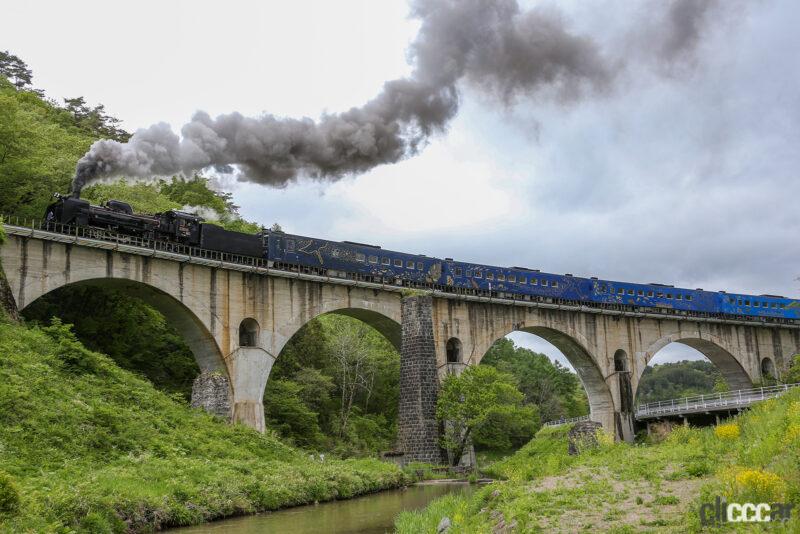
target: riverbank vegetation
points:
(87, 446)
(659, 487)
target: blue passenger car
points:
(343, 258)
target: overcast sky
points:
(683, 174)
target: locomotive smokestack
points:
(493, 45)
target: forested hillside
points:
(679, 379)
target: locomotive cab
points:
(68, 210)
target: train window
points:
(373, 259)
(679, 296)
(398, 262)
(774, 305)
(669, 295)
(621, 291)
(522, 280)
(747, 303)
(660, 294)
(602, 288)
(459, 272)
(630, 292)
(640, 293)
(409, 264)
(501, 278)
(385, 261)
(688, 297)
(478, 274)
(468, 274)
(290, 245)
(534, 281)
(756, 304)
(490, 276)
(740, 302)
(649, 293)
(544, 283)
(783, 305)
(360, 257)
(512, 278)
(420, 267)
(555, 283)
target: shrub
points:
(728, 431)
(760, 484)
(9, 494)
(604, 438)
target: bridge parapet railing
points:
(559, 422)
(712, 401)
(71, 232)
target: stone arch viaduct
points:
(237, 318)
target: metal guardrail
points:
(567, 421)
(728, 400)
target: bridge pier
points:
(249, 369)
(418, 430)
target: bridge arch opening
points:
(688, 367)
(335, 383)
(565, 362)
(248, 332)
(171, 347)
(453, 350)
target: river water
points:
(370, 514)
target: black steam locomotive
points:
(175, 226)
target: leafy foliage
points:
(15, 70)
(335, 387)
(474, 401)
(679, 379)
(792, 376)
(9, 494)
(134, 334)
(551, 387)
(94, 448)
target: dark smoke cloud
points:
(493, 45)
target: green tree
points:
(792, 375)
(467, 402)
(679, 379)
(553, 388)
(94, 120)
(15, 70)
(290, 416)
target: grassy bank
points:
(87, 446)
(634, 488)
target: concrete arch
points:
(574, 347)
(308, 300)
(206, 351)
(386, 326)
(726, 358)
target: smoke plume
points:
(492, 45)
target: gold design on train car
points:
(318, 252)
(434, 273)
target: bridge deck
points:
(95, 238)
